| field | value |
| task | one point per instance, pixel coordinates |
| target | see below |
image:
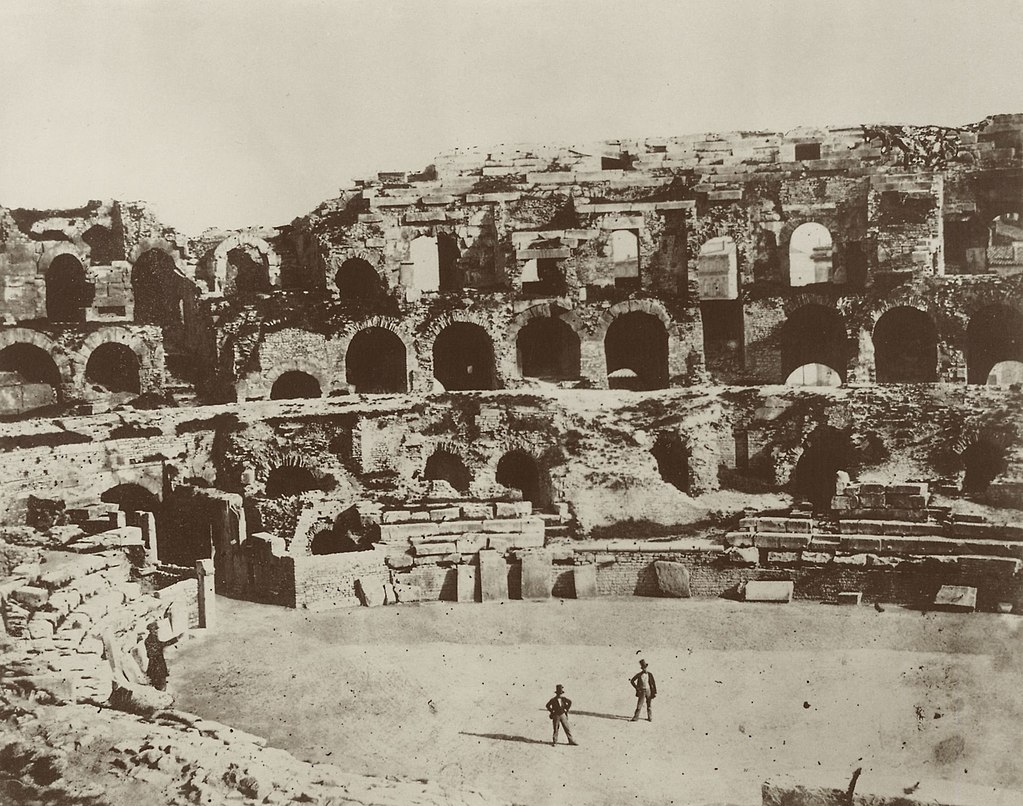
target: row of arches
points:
(376, 360)
(815, 348)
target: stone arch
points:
(814, 334)
(271, 260)
(810, 251)
(393, 325)
(375, 361)
(120, 336)
(445, 464)
(994, 334)
(115, 367)
(131, 497)
(813, 375)
(56, 251)
(358, 279)
(155, 283)
(636, 351)
(905, 346)
(826, 450)
(22, 335)
(548, 347)
(68, 292)
(1006, 373)
(297, 380)
(463, 354)
(624, 248)
(36, 381)
(519, 469)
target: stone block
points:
(1005, 567)
(672, 579)
(768, 591)
(394, 516)
(739, 539)
(743, 555)
(493, 572)
(446, 514)
(783, 557)
(816, 557)
(40, 627)
(470, 543)
(432, 549)
(30, 596)
(504, 525)
(457, 528)
(400, 561)
(465, 588)
(916, 488)
(505, 509)
(419, 517)
(400, 532)
(390, 595)
(748, 524)
(872, 499)
(856, 544)
(585, 579)
(407, 593)
(536, 575)
(844, 502)
(896, 501)
(477, 511)
(956, 597)
(370, 591)
(983, 531)
(523, 509)
(798, 526)
(781, 542)
(849, 598)
(869, 487)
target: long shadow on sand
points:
(599, 716)
(504, 737)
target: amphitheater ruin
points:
(752, 365)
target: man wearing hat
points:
(646, 690)
(558, 707)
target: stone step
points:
(853, 526)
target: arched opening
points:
(30, 377)
(375, 362)
(114, 368)
(1006, 373)
(463, 358)
(965, 244)
(295, 384)
(544, 277)
(625, 257)
(994, 334)
(154, 283)
(425, 262)
(104, 249)
(131, 498)
(672, 457)
(449, 277)
(357, 279)
(520, 471)
(636, 350)
(68, 292)
(905, 347)
(827, 451)
(443, 465)
(983, 462)
(810, 249)
(814, 334)
(718, 270)
(813, 375)
(548, 348)
(248, 273)
(288, 480)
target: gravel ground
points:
(456, 693)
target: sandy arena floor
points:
(456, 694)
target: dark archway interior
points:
(332, 541)
(375, 362)
(637, 342)
(446, 466)
(287, 480)
(131, 498)
(814, 335)
(550, 279)
(906, 347)
(827, 451)
(448, 255)
(115, 367)
(994, 334)
(463, 358)
(963, 233)
(724, 335)
(984, 462)
(518, 470)
(247, 273)
(104, 247)
(154, 282)
(32, 363)
(294, 384)
(856, 265)
(548, 348)
(357, 279)
(672, 457)
(68, 292)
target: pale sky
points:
(244, 113)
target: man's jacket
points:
(637, 683)
(556, 706)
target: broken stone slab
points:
(849, 598)
(956, 597)
(536, 575)
(672, 579)
(407, 593)
(816, 557)
(585, 581)
(370, 591)
(768, 591)
(740, 540)
(30, 596)
(783, 557)
(465, 587)
(743, 555)
(493, 570)
(445, 514)
(394, 516)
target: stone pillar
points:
(592, 363)
(207, 601)
(146, 522)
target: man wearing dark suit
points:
(558, 707)
(646, 690)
